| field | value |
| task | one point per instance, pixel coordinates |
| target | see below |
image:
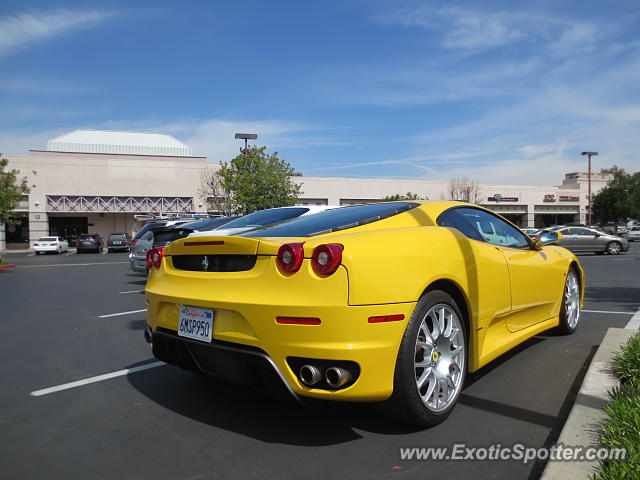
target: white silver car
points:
(50, 244)
(263, 218)
(633, 234)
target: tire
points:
(445, 366)
(59, 250)
(614, 248)
(570, 308)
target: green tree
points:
(620, 199)
(407, 196)
(12, 189)
(256, 180)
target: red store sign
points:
(569, 198)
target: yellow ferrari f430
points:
(389, 302)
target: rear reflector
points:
(386, 318)
(197, 244)
(298, 321)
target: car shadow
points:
(137, 324)
(249, 412)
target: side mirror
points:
(546, 237)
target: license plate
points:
(196, 323)
(116, 243)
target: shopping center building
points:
(92, 181)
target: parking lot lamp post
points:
(589, 154)
(246, 136)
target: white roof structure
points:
(123, 143)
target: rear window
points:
(266, 217)
(334, 220)
(160, 239)
(210, 224)
(146, 228)
(118, 236)
(47, 239)
(86, 236)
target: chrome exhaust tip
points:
(148, 334)
(310, 375)
(337, 377)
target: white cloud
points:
(474, 30)
(20, 30)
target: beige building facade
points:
(103, 182)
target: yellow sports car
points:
(388, 302)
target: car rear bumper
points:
(123, 248)
(138, 263)
(88, 247)
(246, 319)
(47, 248)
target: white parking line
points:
(634, 323)
(99, 378)
(68, 264)
(607, 311)
(122, 313)
(131, 291)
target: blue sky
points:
(431, 90)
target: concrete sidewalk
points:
(583, 424)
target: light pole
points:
(589, 154)
(245, 137)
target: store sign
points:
(569, 198)
(549, 198)
(497, 197)
(11, 229)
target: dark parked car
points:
(156, 237)
(72, 240)
(160, 236)
(90, 242)
(119, 242)
(160, 223)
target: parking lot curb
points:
(583, 424)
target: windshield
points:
(334, 220)
(160, 239)
(209, 224)
(266, 217)
(146, 228)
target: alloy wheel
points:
(614, 248)
(439, 357)
(572, 300)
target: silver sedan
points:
(581, 239)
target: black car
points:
(91, 242)
(119, 242)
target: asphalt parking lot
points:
(69, 318)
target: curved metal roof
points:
(127, 143)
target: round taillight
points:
(154, 258)
(290, 256)
(326, 258)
